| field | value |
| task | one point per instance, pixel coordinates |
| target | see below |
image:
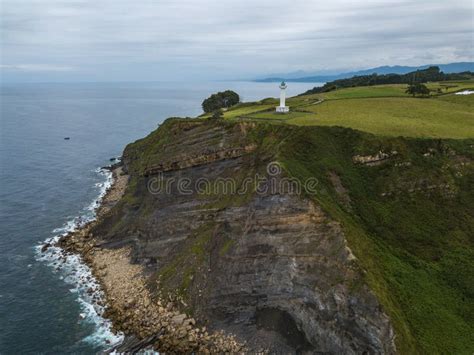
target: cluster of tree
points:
(416, 77)
(418, 89)
(220, 100)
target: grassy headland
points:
(410, 219)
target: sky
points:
(177, 40)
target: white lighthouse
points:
(282, 108)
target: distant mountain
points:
(304, 77)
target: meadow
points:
(384, 110)
(395, 116)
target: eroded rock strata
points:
(263, 264)
(148, 322)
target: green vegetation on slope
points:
(416, 242)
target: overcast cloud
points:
(208, 39)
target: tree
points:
(220, 100)
(418, 89)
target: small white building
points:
(282, 108)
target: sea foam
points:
(78, 275)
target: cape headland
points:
(249, 233)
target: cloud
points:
(229, 38)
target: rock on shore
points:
(147, 322)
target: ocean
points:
(48, 185)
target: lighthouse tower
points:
(282, 108)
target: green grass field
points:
(367, 91)
(393, 90)
(244, 110)
(395, 117)
(271, 115)
(383, 110)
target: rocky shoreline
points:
(146, 321)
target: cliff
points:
(300, 239)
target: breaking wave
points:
(70, 268)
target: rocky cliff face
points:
(266, 264)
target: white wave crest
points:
(76, 273)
